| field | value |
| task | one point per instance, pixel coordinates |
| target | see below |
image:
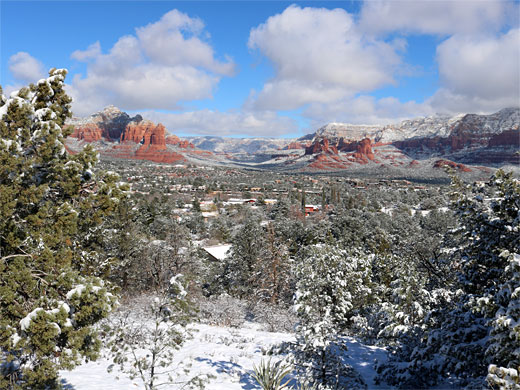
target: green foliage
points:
(240, 274)
(50, 202)
(476, 326)
(271, 375)
(332, 286)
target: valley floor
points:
(225, 354)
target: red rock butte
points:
(113, 125)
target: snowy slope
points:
(422, 127)
(228, 354)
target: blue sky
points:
(268, 68)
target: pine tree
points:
(476, 331)
(241, 273)
(331, 288)
(49, 202)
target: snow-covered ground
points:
(226, 354)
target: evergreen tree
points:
(241, 273)
(49, 202)
(331, 288)
(477, 328)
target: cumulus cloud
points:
(164, 64)
(91, 52)
(174, 40)
(209, 122)
(436, 17)
(366, 110)
(319, 55)
(485, 69)
(478, 65)
(25, 67)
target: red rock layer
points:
(447, 163)
(328, 161)
(88, 132)
(508, 138)
(296, 146)
(364, 150)
(321, 146)
(144, 132)
(174, 140)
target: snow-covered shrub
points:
(275, 318)
(223, 310)
(331, 288)
(503, 378)
(143, 345)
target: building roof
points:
(219, 252)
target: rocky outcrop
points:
(469, 138)
(321, 146)
(108, 124)
(133, 137)
(174, 140)
(146, 133)
(296, 146)
(328, 161)
(506, 138)
(152, 138)
(89, 132)
(364, 150)
(447, 163)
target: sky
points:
(268, 68)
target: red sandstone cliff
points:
(134, 138)
(88, 132)
(174, 140)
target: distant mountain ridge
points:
(422, 127)
(467, 138)
(238, 145)
(433, 142)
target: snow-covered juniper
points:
(51, 205)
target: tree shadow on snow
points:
(246, 380)
(66, 386)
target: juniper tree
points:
(477, 328)
(240, 274)
(50, 202)
(332, 286)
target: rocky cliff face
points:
(174, 140)
(89, 132)
(469, 138)
(132, 137)
(108, 124)
(146, 133)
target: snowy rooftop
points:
(218, 251)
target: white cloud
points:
(319, 56)
(366, 109)
(25, 67)
(436, 17)
(92, 51)
(166, 63)
(479, 71)
(484, 71)
(174, 40)
(209, 122)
